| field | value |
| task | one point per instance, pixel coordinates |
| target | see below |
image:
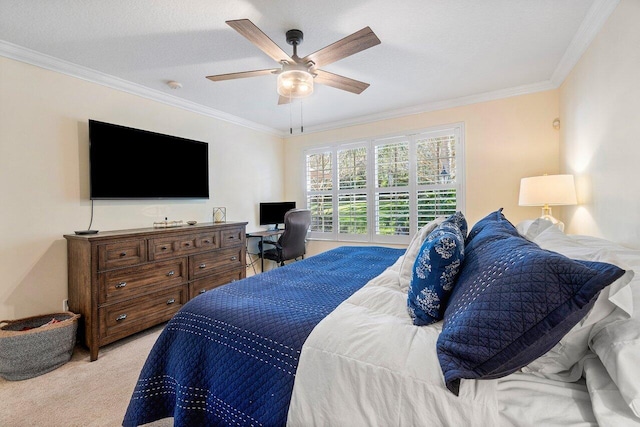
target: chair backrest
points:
(293, 239)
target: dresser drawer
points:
(168, 247)
(204, 264)
(131, 316)
(200, 286)
(232, 237)
(129, 282)
(121, 254)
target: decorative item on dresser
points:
(125, 281)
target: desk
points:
(262, 234)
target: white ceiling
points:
(434, 53)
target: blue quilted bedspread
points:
(229, 356)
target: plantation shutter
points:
(352, 192)
(319, 167)
(436, 176)
(383, 190)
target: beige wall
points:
(44, 184)
(505, 140)
(600, 112)
(44, 158)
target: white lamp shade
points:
(551, 190)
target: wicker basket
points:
(30, 347)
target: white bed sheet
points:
(525, 400)
(366, 364)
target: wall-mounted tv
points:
(272, 213)
(127, 163)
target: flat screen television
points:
(272, 213)
(127, 163)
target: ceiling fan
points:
(297, 75)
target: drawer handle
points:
(202, 291)
(171, 273)
(171, 301)
(231, 237)
(121, 318)
(207, 241)
(203, 265)
(121, 285)
(187, 244)
(164, 248)
(233, 258)
(123, 254)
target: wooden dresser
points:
(123, 282)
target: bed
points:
(330, 340)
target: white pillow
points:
(618, 347)
(406, 268)
(523, 226)
(564, 361)
(530, 229)
(538, 226)
(614, 337)
(581, 247)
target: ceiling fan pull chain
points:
(290, 116)
(301, 122)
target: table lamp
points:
(547, 191)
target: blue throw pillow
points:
(435, 270)
(512, 303)
(492, 218)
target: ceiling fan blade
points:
(252, 33)
(339, 82)
(283, 100)
(356, 42)
(242, 75)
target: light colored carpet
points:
(81, 393)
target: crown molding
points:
(433, 106)
(593, 22)
(591, 25)
(48, 62)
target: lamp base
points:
(546, 215)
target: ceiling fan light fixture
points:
(295, 83)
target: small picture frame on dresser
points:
(219, 214)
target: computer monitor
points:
(272, 213)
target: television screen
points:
(272, 213)
(127, 163)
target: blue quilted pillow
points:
(512, 303)
(492, 218)
(435, 270)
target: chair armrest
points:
(269, 242)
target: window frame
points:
(372, 190)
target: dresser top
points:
(144, 232)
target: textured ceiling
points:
(434, 53)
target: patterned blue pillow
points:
(512, 303)
(435, 270)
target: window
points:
(384, 189)
(352, 193)
(320, 191)
(436, 176)
(391, 188)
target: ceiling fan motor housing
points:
(294, 37)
